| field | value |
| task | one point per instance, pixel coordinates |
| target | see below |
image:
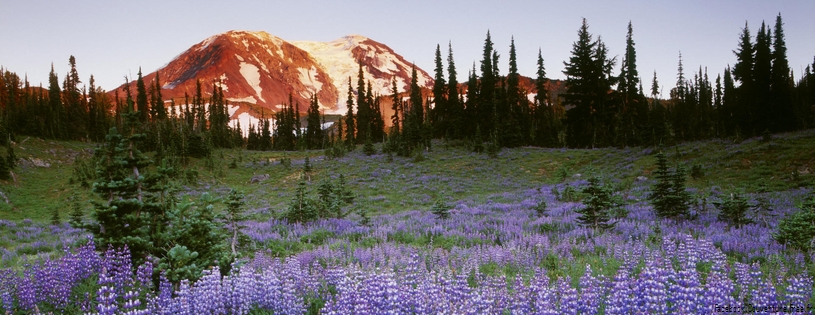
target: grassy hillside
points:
(387, 186)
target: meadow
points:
(494, 254)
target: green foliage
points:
(598, 204)
(234, 216)
(125, 219)
(696, 171)
(668, 195)
(84, 171)
(194, 227)
(285, 161)
(733, 210)
(365, 219)
(332, 197)
(55, 219)
(179, 264)
(5, 170)
(335, 151)
(562, 172)
(302, 207)
(368, 148)
(569, 194)
(541, 208)
(76, 215)
(798, 230)
(441, 209)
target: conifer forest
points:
(503, 194)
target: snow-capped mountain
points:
(380, 64)
(256, 68)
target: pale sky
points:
(111, 39)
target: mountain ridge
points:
(260, 69)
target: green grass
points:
(451, 173)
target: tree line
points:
(757, 95)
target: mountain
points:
(262, 70)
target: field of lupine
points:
(495, 254)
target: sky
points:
(112, 39)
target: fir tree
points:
(743, 72)
(4, 169)
(55, 219)
(125, 219)
(363, 109)
(598, 206)
(314, 133)
(733, 210)
(455, 107)
(440, 113)
(441, 209)
(797, 230)
(668, 195)
(587, 83)
(365, 219)
(141, 98)
(350, 139)
(368, 148)
(301, 208)
(76, 215)
(781, 86)
(762, 69)
(234, 216)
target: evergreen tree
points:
(75, 112)
(440, 115)
(588, 83)
(76, 215)
(364, 116)
(141, 98)
(350, 139)
(126, 219)
(314, 131)
(544, 125)
(743, 73)
(515, 125)
(441, 209)
(485, 95)
(5, 170)
(781, 81)
(797, 230)
(634, 110)
(762, 69)
(598, 205)
(157, 110)
(302, 207)
(55, 219)
(455, 107)
(54, 126)
(234, 216)
(733, 210)
(668, 196)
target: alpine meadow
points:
(256, 175)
